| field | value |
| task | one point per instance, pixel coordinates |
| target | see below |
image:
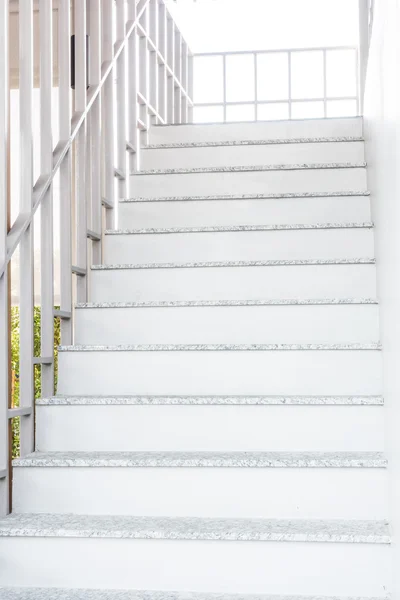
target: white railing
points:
(283, 84)
(140, 72)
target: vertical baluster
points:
(64, 99)
(184, 82)
(171, 65)
(46, 156)
(80, 167)
(108, 112)
(26, 245)
(144, 74)
(290, 83)
(4, 220)
(178, 75)
(162, 72)
(95, 125)
(132, 91)
(190, 86)
(121, 101)
(325, 83)
(153, 70)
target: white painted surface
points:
(257, 131)
(241, 245)
(235, 567)
(197, 213)
(203, 492)
(249, 182)
(382, 123)
(234, 283)
(219, 428)
(220, 156)
(228, 324)
(330, 372)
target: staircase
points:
(218, 428)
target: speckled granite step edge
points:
(92, 594)
(190, 528)
(293, 195)
(231, 303)
(211, 401)
(265, 142)
(335, 460)
(240, 228)
(238, 263)
(219, 347)
(253, 168)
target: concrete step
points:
(248, 209)
(210, 423)
(279, 242)
(247, 322)
(262, 130)
(259, 179)
(252, 152)
(96, 594)
(221, 369)
(203, 484)
(258, 280)
(339, 557)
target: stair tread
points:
(240, 228)
(265, 142)
(253, 168)
(93, 594)
(217, 347)
(211, 400)
(273, 196)
(238, 263)
(204, 459)
(199, 303)
(195, 528)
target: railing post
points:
(132, 91)
(121, 103)
(26, 246)
(363, 47)
(108, 112)
(64, 108)
(4, 223)
(170, 76)
(144, 74)
(46, 159)
(178, 76)
(162, 69)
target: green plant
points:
(15, 349)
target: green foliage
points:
(15, 350)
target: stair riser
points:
(250, 182)
(234, 283)
(243, 245)
(220, 372)
(257, 131)
(204, 566)
(203, 492)
(228, 325)
(210, 428)
(345, 209)
(217, 156)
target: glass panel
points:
(208, 114)
(307, 110)
(341, 73)
(307, 74)
(273, 112)
(240, 78)
(342, 108)
(240, 112)
(208, 79)
(272, 76)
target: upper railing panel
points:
(276, 84)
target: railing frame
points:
(290, 100)
(98, 149)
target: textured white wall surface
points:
(382, 127)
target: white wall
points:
(382, 128)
